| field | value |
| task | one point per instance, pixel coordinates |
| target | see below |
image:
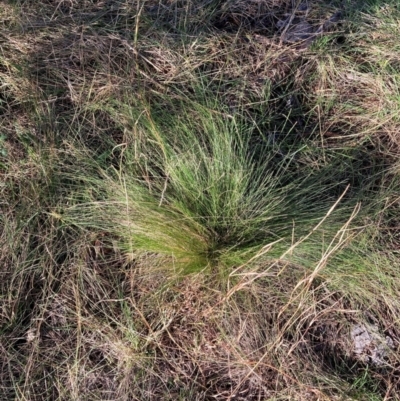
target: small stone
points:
(369, 345)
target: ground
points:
(199, 200)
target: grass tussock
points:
(199, 201)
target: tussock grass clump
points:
(198, 184)
(195, 204)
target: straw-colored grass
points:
(195, 207)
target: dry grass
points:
(84, 315)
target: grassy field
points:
(199, 200)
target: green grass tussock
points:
(195, 187)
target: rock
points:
(369, 345)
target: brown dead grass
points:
(79, 320)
